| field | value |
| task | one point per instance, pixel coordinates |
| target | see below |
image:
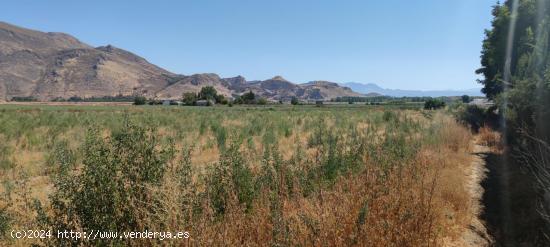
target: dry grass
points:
(490, 138)
(423, 201)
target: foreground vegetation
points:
(283, 176)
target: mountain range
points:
(52, 65)
(48, 65)
(371, 88)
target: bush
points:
(140, 100)
(189, 98)
(24, 99)
(231, 175)
(262, 101)
(4, 223)
(247, 98)
(466, 99)
(473, 116)
(434, 104)
(115, 188)
(294, 101)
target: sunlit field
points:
(274, 175)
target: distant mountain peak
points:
(366, 88)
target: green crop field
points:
(285, 175)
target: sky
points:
(425, 44)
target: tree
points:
(248, 98)
(516, 74)
(208, 93)
(189, 98)
(466, 99)
(434, 104)
(139, 100)
(294, 101)
(262, 101)
(221, 99)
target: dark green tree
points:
(434, 104)
(208, 93)
(249, 97)
(516, 74)
(466, 99)
(294, 101)
(189, 98)
(140, 100)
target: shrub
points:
(473, 116)
(294, 101)
(434, 104)
(231, 175)
(4, 223)
(24, 99)
(140, 100)
(189, 98)
(466, 99)
(247, 98)
(114, 190)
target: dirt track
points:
(476, 234)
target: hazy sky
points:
(425, 44)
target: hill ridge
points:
(50, 65)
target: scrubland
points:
(255, 176)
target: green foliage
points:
(434, 104)
(466, 99)
(221, 99)
(126, 177)
(189, 98)
(113, 189)
(140, 100)
(5, 222)
(208, 93)
(518, 81)
(230, 176)
(246, 98)
(220, 133)
(6, 162)
(117, 98)
(473, 116)
(363, 213)
(262, 101)
(294, 101)
(23, 99)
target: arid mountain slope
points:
(47, 66)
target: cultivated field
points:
(273, 175)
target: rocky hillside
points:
(47, 66)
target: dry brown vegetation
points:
(258, 176)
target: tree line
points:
(515, 61)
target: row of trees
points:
(516, 75)
(210, 94)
